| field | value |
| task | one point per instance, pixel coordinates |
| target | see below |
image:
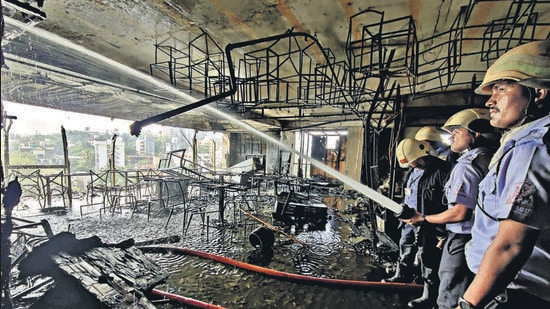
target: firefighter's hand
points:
(405, 213)
(415, 220)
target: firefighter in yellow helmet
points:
(474, 139)
(428, 133)
(424, 193)
(407, 152)
(510, 248)
(438, 142)
(476, 122)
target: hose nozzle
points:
(406, 212)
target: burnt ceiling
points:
(275, 64)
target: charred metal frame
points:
(284, 74)
(280, 72)
(136, 127)
(200, 68)
(516, 28)
(23, 11)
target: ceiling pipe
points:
(135, 128)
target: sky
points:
(34, 119)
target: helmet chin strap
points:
(531, 109)
(472, 143)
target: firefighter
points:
(510, 247)
(475, 140)
(427, 193)
(407, 269)
(435, 137)
(407, 266)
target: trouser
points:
(407, 250)
(429, 291)
(454, 275)
(430, 257)
(430, 254)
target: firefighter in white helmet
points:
(510, 247)
(424, 193)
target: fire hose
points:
(185, 300)
(281, 274)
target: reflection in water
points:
(261, 257)
(329, 253)
(334, 251)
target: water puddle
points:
(332, 251)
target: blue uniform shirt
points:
(462, 186)
(411, 188)
(517, 187)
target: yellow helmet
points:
(409, 149)
(428, 133)
(473, 119)
(527, 64)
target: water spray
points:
(136, 127)
(367, 191)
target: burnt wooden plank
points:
(91, 274)
(115, 276)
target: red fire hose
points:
(281, 274)
(186, 300)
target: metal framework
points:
(200, 67)
(382, 56)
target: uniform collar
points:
(524, 130)
(532, 130)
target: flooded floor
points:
(337, 249)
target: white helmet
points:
(473, 119)
(428, 133)
(527, 64)
(409, 149)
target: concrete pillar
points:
(354, 153)
(272, 153)
(287, 138)
(235, 143)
